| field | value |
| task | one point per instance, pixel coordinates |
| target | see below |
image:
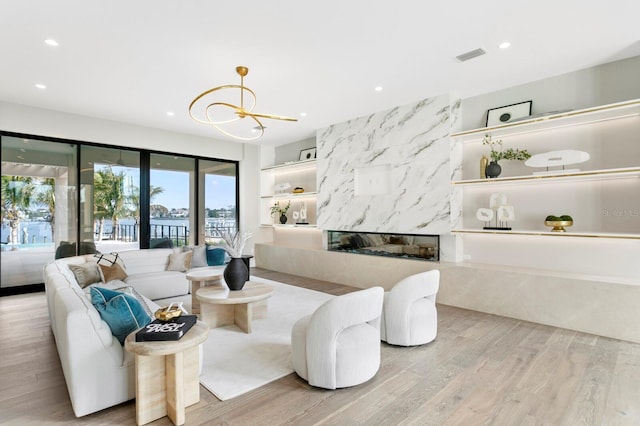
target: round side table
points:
(167, 375)
(201, 278)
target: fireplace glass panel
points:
(405, 246)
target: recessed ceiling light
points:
(378, 89)
(51, 42)
(504, 45)
(41, 86)
(170, 114)
(303, 114)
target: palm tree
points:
(134, 199)
(109, 198)
(17, 192)
(47, 197)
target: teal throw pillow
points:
(215, 256)
(122, 312)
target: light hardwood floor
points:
(481, 369)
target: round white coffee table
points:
(167, 375)
(221, 306)
(202, 278)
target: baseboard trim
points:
(21, 289)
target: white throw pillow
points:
(180, 261)
(199, 255)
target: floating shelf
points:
(563, 119)
(294, 225)
(293, 165)
(292, 195)
(580, 175)
(567, 234)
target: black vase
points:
(283, 218)
(236, 274)
(493, 170)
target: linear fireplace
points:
(404, 246)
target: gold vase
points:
(484, 162)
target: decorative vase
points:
(493, 170)
(484, 162)
(236, 273)
(283, 218)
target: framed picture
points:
(508, 113)
(307, 154)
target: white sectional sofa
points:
(98, 371)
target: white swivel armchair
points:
(339, 344)
(409, 315)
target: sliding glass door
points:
(38, 206)
(109, 199)
(172, 201)
(63, 198)
(218, 197)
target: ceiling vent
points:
(471, 54)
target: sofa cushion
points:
(199, 258)
(122, 312)
(86, 274)
(180, 261)
(160, 284)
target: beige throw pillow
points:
(86, 274)
(113, 272)
(180, 261)
(111, 267)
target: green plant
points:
(276, 209)
(498, 154)
(564, 217)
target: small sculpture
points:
(499, 209)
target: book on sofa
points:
(173, 329)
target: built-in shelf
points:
(290, 225)
(292, 165)
(559, 176)
(568, 234)
(292, 195)
(551, 121)
(287, 177)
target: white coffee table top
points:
(206, 274)
(251, 292)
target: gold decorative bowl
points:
(558, 225)
(168, 312)
(298, 190)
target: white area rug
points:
(236, 363)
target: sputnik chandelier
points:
(203, 110)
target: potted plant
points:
(497, 154)
(276, 209)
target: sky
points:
(219, 190)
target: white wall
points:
(291, 151)
(47, 123)
(604, 84)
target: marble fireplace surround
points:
(394, 245)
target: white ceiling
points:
(133, 61)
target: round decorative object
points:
(558, 225)
(493, 170)
(283, 218)
(236, 274)
(298, 190)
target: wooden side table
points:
(201, 278)
(167, 375)
(222, 306)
